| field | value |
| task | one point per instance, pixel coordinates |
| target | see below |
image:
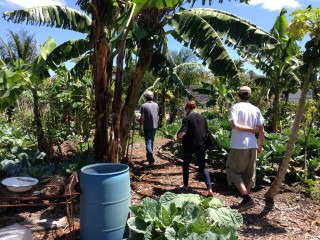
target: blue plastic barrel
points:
(104, 201)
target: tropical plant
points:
(303, 22)
(171, 80)
(184, 216)
(197, 28)
(19, 45)
(23, 77)
(279, 66)
(220, 94)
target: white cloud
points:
(34, 3)
(274, 5)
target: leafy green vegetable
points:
(184, 216)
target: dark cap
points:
(245, 89)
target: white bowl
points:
(19, 184)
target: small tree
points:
(303, 22)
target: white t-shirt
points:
(248, 115)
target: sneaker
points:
(245, 206)
(151, 164)
(209, 193)
(182, 187)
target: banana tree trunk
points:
(127, 113)
(163, 120)
(100, 77)
(117, 101)
(276, 184)
(42, 141)
(276, 112)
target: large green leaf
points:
(12, 82)
(224, 216)
(53, 16)
(280, 26)
(208, 32)
(39, 68)
(67, 51)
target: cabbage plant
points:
(184, 216)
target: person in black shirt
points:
(192, 135)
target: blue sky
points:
(260, 12)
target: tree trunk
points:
(163, 120)
(117, 100)
(100, 82)
(276, 184)
(276, 112)
(43, 144)
(127, 113)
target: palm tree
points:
(19, 45)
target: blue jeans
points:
(200, 156)
(149, 135)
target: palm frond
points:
(84, 63)
(53, 16)
(209, 31)
(68, 50)
(163, 68)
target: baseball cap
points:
(148, 94)
(245, 89)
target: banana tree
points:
(304, 22)
(23, 77)
(279, 66)
(206, 31)
(220, 92)
(169, 83)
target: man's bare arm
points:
(239, 127)
(261, 139)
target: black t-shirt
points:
(195, 126)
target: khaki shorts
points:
(241, 167)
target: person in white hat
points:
(149, 121)
(246, 120)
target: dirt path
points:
(291, 216)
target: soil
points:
(290, 216)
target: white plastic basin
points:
(19, 184)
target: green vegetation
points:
(93, 104)
(184, 216)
